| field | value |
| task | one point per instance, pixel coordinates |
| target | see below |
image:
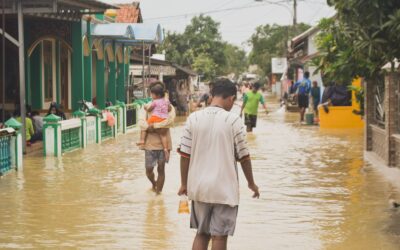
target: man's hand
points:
(253, 187)
(182, 190)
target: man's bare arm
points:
(248, 173)
(184, 175)
(241, 110)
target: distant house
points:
(302, 50)
(156, 69)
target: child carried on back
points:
(159, 109)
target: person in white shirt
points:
(213, 141)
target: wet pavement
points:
(316, 193)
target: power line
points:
(216, 11)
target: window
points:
(379, 105)
(64, 75)
(48, 70)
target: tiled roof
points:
(129, 13)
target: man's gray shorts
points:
(213, 219)
(152, 157)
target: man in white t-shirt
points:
(212, 143)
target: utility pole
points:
(294, 13)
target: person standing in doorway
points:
(316, 97)
(303, 88)
(212, 143)
(251, 101)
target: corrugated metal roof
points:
(148, 32)
(90, 5)
(113, 30)
(141, 33)
(60, 6)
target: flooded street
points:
(316, 193)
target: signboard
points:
(136, 70)
(279, 65)
(138, 94)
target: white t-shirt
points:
(214, 139)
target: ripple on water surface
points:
(317, 193)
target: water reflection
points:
(317, 193)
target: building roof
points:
(138, 59)
(113, 30)
(59, 7)
(148, 32)
(88, 5)
(306, 33)
(130, 33)
(185, 70)
(129, 13)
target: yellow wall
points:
(342, 117)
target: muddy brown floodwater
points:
(316, 193)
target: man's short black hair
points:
(158, 89)
(257, 85)
(223, 88)
(306, 74)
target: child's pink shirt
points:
(160, 108)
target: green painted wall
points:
(100, 90)
(121, 96)
(126, 72)
(28, 95)
(99, 16)
(88, 67)
(77, 87)
(112, 80)
(36, 77)
(58, 74)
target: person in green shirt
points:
(251, 101)
(28, 124)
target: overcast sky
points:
(238, 18)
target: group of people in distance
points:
(212, 142)
(34, 122)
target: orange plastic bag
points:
(183, 205)
(110, 119)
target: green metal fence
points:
(70, 139)
(132, 111)
(106, 131)
(5, 154)
(131, 115)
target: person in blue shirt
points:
(303, 88)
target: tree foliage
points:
(271, 41)
(201, 48)
(362, 37)
(337, 60)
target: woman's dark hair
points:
(53, 105)
(158, 89)
(223, 88)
